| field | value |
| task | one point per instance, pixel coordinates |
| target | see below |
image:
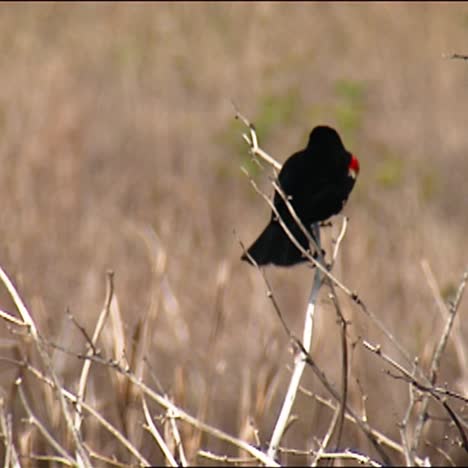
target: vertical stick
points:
(299, 361)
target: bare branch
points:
(299, 362)
(351, 417)
(457, 56)
(11, 455)
(344, 359)
(253, 141)
(87, 363)
(160, 400)
(407, 376)
(106, 424)
(171, 416)
(42, 429)
(320, 453)
(435, 363)
(151, 427)
(27, 319)
(409, 455)
(224, 458)
(10, 318)
(350, 455)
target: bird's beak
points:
(352, 173)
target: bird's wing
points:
(300, 180)
(291, 169)
(314, 202)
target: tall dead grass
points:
(118, 151)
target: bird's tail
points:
(274, 246)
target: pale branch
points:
(407, 376)
(171, 416)
(153, 430)
(82, 455)
(456, 333)
(108, 461)
(294, 339)
(299, 362)
(224, 458)
(87, 363)
(10, 318)
(339, 240)
(351, 417)
(409, 455)
(442, 452)
(296, 218)
(161, 401)
(34, 420)
(363, 424)
(70, 396)
(10, 457)
(344, 359)
(345, 455)
(328, 435)
(252, 141)
(350, 455)
(50, 459)
(435, 363)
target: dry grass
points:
(118, 151)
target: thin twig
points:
(253, 141)
(160, 400)
(11, 458)
(458, 56)
(409, 455)
(51, 459)
(153, 430)
(442, 452)
(346, 455)
(344, 362)
(87, 363)
(269, 293)
(9, 318)
(408, 377)
(435, 363)
(456, 333)
(328, 435)
(363, 424)
(38, 424)
(350, 455)
(27, 319)
(106, 424)
(103, 458)
(224, 458)
(351, 417)
(172, 415)
(339, 240)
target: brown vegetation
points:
(119, 150)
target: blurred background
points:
(119, 150)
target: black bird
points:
(317, 181)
